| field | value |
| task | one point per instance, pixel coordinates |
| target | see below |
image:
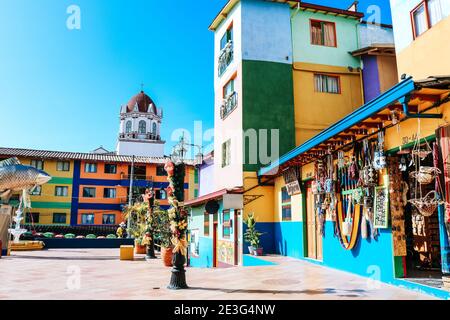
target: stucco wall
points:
(346, 34)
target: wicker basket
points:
(428, 204)
(426, 175)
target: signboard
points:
(291, 180)
(381, 209)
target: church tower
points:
(140, 124)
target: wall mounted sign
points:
(381, 208)
(291, 180)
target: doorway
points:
(215, 255)
(236, 236)
(314, 238)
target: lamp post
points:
(175, 169)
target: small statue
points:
(121, 230)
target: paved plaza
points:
(98, 274)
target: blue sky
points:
(61, 89)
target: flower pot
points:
(258, 251)
(251, 250)
(166, 256)
(140, 249)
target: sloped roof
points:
(63, 155)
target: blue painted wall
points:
(266, 240)
(205, 257)
(288, 237)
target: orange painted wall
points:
(98, 215)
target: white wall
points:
(144, 149)
(401, 19)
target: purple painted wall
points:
(206, 178)
(371, 78)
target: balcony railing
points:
(140, 136)
(228, 105)
(142, 177)
(225, 57)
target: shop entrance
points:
(314, 238)
(422, 263)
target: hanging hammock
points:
(348, 244)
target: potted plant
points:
(252, 236)
(163, 235)
(138, 228)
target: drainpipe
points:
(404, 102)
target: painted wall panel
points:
(288, 237)
(266, 31)
(371, 78)
(346, 34)
(370, 34)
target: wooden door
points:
(311, 224)
(314, 238)
(236, 237)
(215, 255)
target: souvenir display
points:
(381, 209)
(379, 160)
(397, 200)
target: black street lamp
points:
(178, 216)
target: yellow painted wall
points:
(428, 54)
(263, 207)
(315, 111)
(387, 72)
(50, 167)
(406, 133)
(46, 215)
(48, 194)
(296, 202)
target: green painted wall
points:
(268, 103)
(59, 180)
(51, 205)
(346, 34)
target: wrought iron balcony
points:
(139, 136)
(225, 57)
(141, 177)
(229, 104)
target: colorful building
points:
(91, 189)
(375, 109)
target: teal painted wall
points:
(347, 41)
(268, 103)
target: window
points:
(226, 230)
(286, 214)
(161, 195)
(38, 164)
(128, 126)
(229, 99)
(61, 191)
(90, 167)
(206, 224)
(227, 37)
(323, 33)
(59, 218)
(32, 217)
(226, 155)
(154, 128)
(63, 166)
(109, 219)
(426, 15)
(142, 127)
(195, 175)
(36, 191)
(87, 218)
(110, 168)
(228, 89)
(88, 192)
(109, 193)
(327, 83)
(160, 171)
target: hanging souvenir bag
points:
(357, 196)
(425, 175)
(364, 231)
(369, 174)
(379, 159)
(347, 223)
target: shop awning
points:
(407, 99)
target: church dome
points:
(143, 101)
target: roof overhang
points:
(211, 196)
(223, 14)
(375, 50)
(419, 98)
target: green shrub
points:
(69, 236)
(49, 235)
(111, 236)
(91, 236)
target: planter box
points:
(52, 243)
